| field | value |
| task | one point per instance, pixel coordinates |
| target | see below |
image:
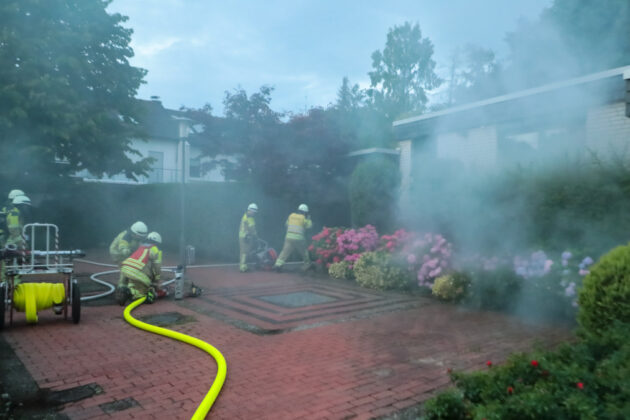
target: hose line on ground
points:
(213, 393)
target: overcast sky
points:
(195, 50)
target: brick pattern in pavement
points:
(360, 364)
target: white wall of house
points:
(475, 147)
(608, 128)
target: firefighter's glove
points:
(151, 296)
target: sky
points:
(196, 50)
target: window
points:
(156, 174)
(195, 168)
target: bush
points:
(493, 289)
(448, 405)
(605, 295)
(582, 380)
(213, 213)
(373, 193)
(375, 270)
(340, 270)
(451, 287)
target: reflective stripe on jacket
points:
(248, 226)
(297, 225)
(145, 262)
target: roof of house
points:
(159, 122)
(547, 101)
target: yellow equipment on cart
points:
(40, 276)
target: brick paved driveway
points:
(296, 347)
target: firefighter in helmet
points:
(295, 240)
(3, 215)
(141, 271)
(247, 235)
(122, 246)
(15, 221)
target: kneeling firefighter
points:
(141, 271)
(121, 248)
(297, 224)
(247, 235)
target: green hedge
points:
(576, 204)
(89, 215)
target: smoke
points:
(535, 170)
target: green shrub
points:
(576, 381)
(605, 294)
(375, 270)
(373, 193)
(493, 289)
(451, 287)
(90, 215)
(448, 405)
(340, 270)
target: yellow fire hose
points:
(212, 394)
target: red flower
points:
(449, 370)
(510, 390)
(580, 385)
(534, 363)
(489, 363)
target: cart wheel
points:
(76, 303)
(3, 296)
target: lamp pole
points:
(179, 285)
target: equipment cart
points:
(33, 276)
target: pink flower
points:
(336, 259)
(411, 259)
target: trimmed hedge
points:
(89, 215)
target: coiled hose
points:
(213, 393)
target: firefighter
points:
(122, 246)
(15, 221)
(247, 235)
(141, 271)
(127, 241)
(3, 215)
(297, 224)
(14, 218)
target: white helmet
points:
(303, 207)
(252, 207)
(15, 193)
(154, 237)
(139, 229)
(21, 199)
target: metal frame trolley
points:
(41, 262)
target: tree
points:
(474, 75)
(570, 38)
(66, 90)
(403, 71)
